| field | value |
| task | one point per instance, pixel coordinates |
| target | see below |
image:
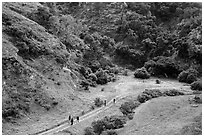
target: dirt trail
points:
(65, 123)
(125, 88)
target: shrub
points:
(95, 66)
(98, 126)
(41, 16)
(128, 107)
(109, 132)
(154, 93)
(197, 99)
(112, 77)
(162, 66)
(173, 92)
(158, 81)
(107, 124)
(98, 102)
(88, 39)
(102, 77)
(130, 116)
(89, 131)
(92, 83)
(114, 122)
(142, 73)
(83, 71)
(92, 77)
(188, 76)
(196, 85)
(143, 98)
(85, 84)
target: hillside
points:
(58, 57)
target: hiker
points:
(104, 102)
(114, 100)
(70, 117)
(72, 121)
(77, 118)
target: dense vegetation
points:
(157, 39)
(106, 125)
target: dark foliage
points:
(98, 102)
(98, 126)
(142, 73)
(172, 92)
(128, 107)
(102, 77)
(108, 123)
(188, 76)
(161, 65)
(143, 98)
(154, 93)
(196, 85)
(158, 81)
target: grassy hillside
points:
(31, 59)
(53, 53)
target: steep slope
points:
(34, 82)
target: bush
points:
(188, 76)
(196, 85)
(158, 81)
(107, 124)
(95, 65)
(162, 66)
(114, 122)
(142, 73)
(109, 132)
(143, 98)
(173, 92)
(130, 116)
(85, 84)
(154, 93)
(128, 107)
(92, 77)
(88, 39)
(89, 131)
(98, 102)
(41, 16)
(102, 77)
(198, 99)
(98, 126)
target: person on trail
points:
(77, 118)
(70, 117)
(104, 102)
(72, 121)
(114, 100)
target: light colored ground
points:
(130, 88)
(127, 87)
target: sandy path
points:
(65, 124)
(123, 90)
